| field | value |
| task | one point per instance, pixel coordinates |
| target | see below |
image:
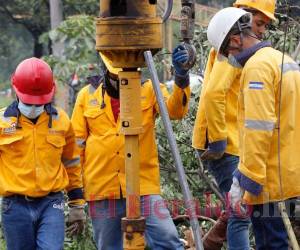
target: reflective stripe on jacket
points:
(102, 144)
(35, 159)
(258, 119)
(216, 118)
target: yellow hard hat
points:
(267, 7)
(108, 64)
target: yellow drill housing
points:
(125, 29)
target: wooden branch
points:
(200, 217)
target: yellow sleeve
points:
(80, 124)
(209, 65)
(221, 78)
(177, 103)
(258, 106)
(71, 161)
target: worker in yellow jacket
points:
(37, 163)
(215, 134)
(269, 124)
(97, 127)
(216, 129)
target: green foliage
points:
(78, 35)
(15, 45)
(286, 29)
(87, 7)
(82, 242)
(202, 47)
(23, 22)
(4, 101)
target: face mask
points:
(233, 61)
(30, 111)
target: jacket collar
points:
(13, 111)
(244, 56)
(95, 80)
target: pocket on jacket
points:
(56, 140)
(97, 120)
(12, 147)
(93, 112)
(10, 139)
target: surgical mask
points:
(30, 111)
(234, 62)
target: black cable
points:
(280, 97)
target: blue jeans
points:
(33, 224)
(237, 227)
(268, 227)
(160, 234)
(222, 170)
(238, 232)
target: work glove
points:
(76, 220)
(214, 151)
(236, 194)
(179, 56)
(211, 155)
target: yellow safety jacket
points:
(259, 125)
(102, 144)
(36, 160)
(216, 120)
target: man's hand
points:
(236, 194)
(76, 220)
(211, 155)
(180, 56)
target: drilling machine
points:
(125, 29)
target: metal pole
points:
(288, 225)
(188, 199)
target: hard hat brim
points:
(108, 64)
(35, 99)
(266, 13)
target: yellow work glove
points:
(76, 221)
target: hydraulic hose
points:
(168, 11)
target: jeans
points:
(222, 170)
(160, 234)
(30, 224)
(237, 227)
(238, 232)
(268, 227)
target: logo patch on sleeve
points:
(256, 85)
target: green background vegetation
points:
(25, 32)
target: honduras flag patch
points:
(256, 85)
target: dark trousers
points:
(268, 227)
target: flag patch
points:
(256, 85)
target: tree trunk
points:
(56, 16)
(38, 50)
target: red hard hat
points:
(33, 82)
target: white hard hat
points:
(222, 23)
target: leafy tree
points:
(33, 15)
(23, 22)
